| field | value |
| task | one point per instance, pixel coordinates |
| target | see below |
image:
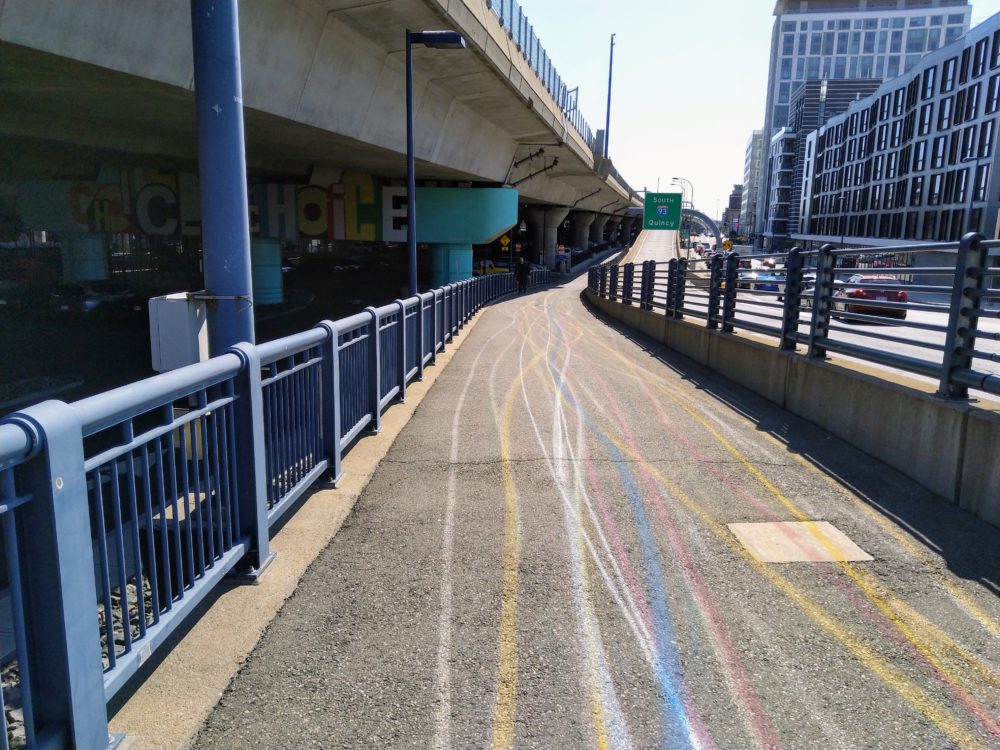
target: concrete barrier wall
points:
(948, 447)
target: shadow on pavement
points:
(967, 544)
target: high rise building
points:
(840, 39)
(751, 177)
(813, 103)
(916, 159)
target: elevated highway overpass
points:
(99, 131)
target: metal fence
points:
(122, 511)
(916, 308)
(514, 20)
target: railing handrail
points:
(253, 429)
(103, 410)
(701, 294)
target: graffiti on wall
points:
(168, 204)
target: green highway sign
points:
(662, 211)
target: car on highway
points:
(856, 294)
(95, 298)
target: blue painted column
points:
(83, 257)
(222, 172)
(266, 271)
(450, 262)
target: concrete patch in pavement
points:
(797, 541)
(170, 706)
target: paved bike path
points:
(550, 556)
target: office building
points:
(812, 104)
(840, 39)
(913, 161)
(751, 178)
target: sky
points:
(688, 83)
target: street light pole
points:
(607, 117)
(843, 219)
(971, 186)
(435, 40)
(689, 184)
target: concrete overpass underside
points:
(98, 82)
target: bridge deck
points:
(549, 557)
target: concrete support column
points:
(627, 223)
(580, 222)
(83, 257)
(597, 228)
(450, 263)
(225, 214)
(265, 259)
(613, 224)
(546, 223)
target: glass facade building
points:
(842, 39)
(915, 160)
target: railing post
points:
(421, 342)
(401, 350)
(627, 282)
(819, 326)
(445, 314)
(679, 290)
(963, 317)
(57, 559)
(613, 291)
(602, 281)
(731, 274)
(671, 302)
(251, 475)
(648, 278)
(435, 313)
(654, 270)
(374, 370)
(714, 291)
(793, 300)
(331, 400)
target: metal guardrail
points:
(122, 511)
(514, 20)
(927, 301)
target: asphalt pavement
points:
(583, 540)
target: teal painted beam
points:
(464, 216)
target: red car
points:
(850, 298)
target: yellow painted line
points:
(506, 696)
(591, 638)
(892, 676)
(596, 703)
(862, 581)
(861, 578)
(904, 539)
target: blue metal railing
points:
(122, 511)
(514, 20)
(818, 298)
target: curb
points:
(166, 711)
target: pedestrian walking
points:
(522, 272)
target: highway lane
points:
(549, 558)
(658, 245)
(750, 306)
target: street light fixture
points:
(971, 186)
(843, 219)
(690, 186)
(434, 40)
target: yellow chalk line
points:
(892, 676)
(884, 670)
(506, 694)
(596, 699)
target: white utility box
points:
(178, 331)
